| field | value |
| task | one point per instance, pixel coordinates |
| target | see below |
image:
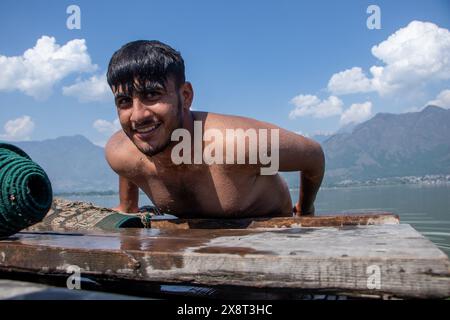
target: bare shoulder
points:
(120, 152)
(226, 121)
(287, 139)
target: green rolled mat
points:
(25, 191)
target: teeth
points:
(147, 129)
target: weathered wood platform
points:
(341, 260)
(375, 218)
(75, 215)
(340, 254)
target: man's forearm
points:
(310, 185)
(308, 190)
(128, 195)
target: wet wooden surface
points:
(334, 259)
(76, 215)
(335, 220)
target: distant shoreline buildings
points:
(426, 180)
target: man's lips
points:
(146, 131)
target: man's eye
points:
(152, 95)
(121, 102)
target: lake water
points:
(426, 208)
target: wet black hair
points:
(141, 63)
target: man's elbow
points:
(320, 155)
(318, 159)
(109, 154)
(112, 147)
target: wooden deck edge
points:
(77, 215)
(279, 222)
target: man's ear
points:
(187, 92)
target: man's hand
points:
(298, 211)
(128, 195)
(124, 209)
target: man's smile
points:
(147, 130)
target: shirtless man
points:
(153, 99)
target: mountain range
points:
(387, 145)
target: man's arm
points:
(128, 196)
(298, 153)
(117, 156)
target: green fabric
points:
(118, 220)
(25, 191)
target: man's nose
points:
(140, 111)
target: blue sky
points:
(249, 58)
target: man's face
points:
(150, 116)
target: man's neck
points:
(188, 122)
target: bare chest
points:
(197, 189)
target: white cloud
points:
(357, 113)
(442, 99)
(95, 88)
(412, 109)
(349, 81)
(107, 127)
(18, 129)
(310, 105)
(412, 56)
(41, 67)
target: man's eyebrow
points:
(153, 86)
(120, 95)
(149, 86)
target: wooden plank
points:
(375, 218)
(334, 260)
(75, 215)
